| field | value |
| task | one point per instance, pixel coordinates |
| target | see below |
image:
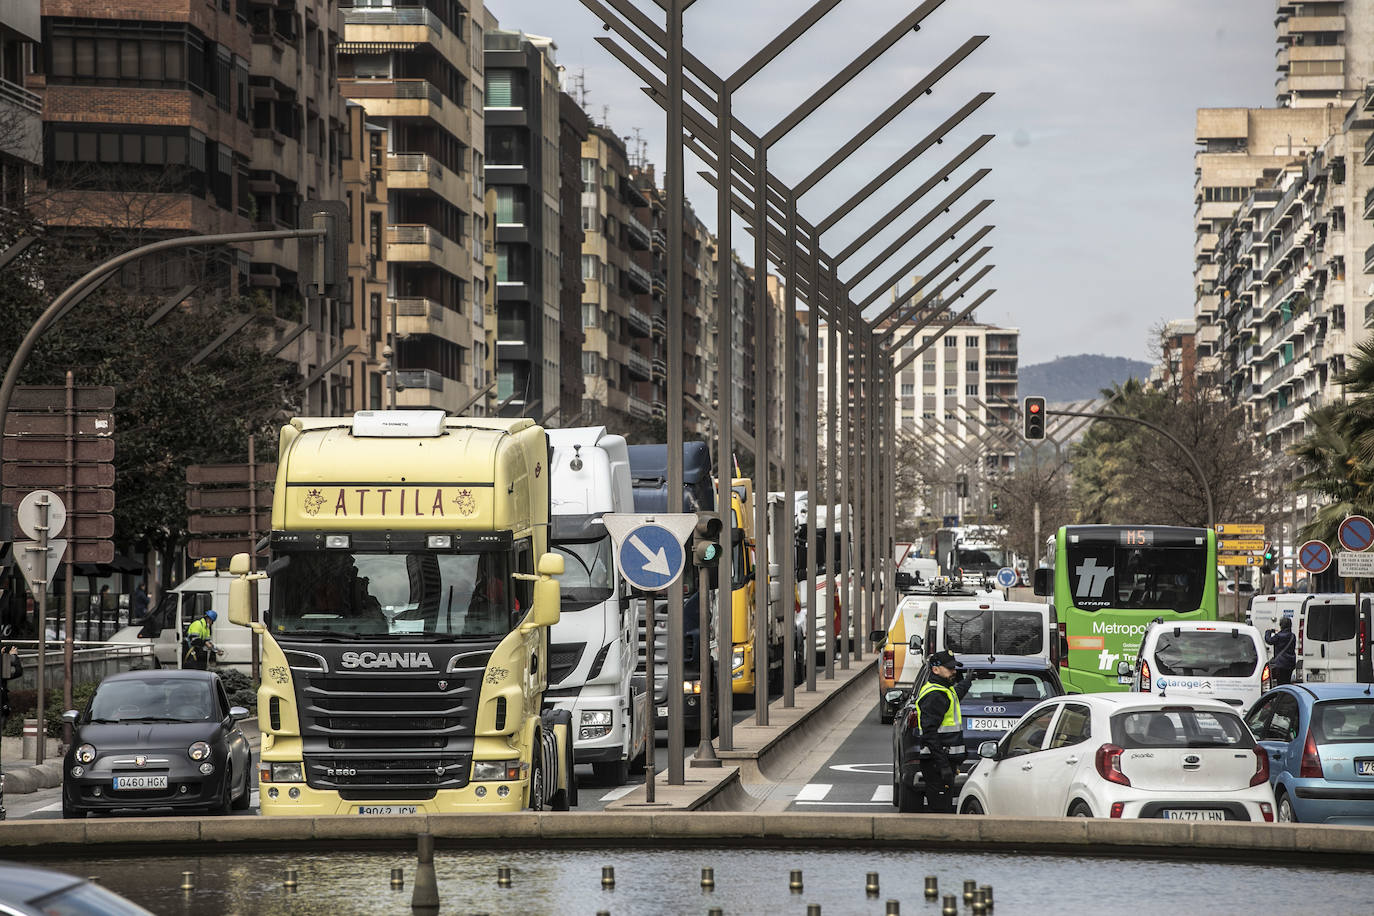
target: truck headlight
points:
(597, 717)
(595, 723)
(497, 770)
(293, 771)
(736, 659)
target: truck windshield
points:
(398, 595)
(588, 573)
(982, 557)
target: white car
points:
(1124, 755)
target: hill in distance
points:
(1075, 378)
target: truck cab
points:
(592, 648)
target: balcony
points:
(417, 315)
(414, 242)
(408, 98)
(638, 407)
(420, 171)
(637, 233)
(393, 89)
(639, 365)
(360, 15)
(638, 278)
(420, 378)
(640, 322)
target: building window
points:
(971, 390)
(971, 342)
(950, 392)
(908, 389)
(588, 177)
(506, 146)
(951, 341)
(588, 216)
(591, 314)
(505, 89)
(971, 365)
(591, 363)
(512, 263)
(591, 267)
(511, 205)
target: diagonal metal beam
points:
(923, 86)
(906, 268)
(934, 137)
(894, 346)
(750, 68)
(837, 82)
(945, 327)
(951, 258)
(915, 229)
(234, 327)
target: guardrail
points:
(90, 662)
(16, 94)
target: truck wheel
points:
(537, 782)
(612, 772)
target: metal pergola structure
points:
(860, 434)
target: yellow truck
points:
(744, 585)
(405, 642)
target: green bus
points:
(1109, 581)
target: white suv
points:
(1217, 660)
(1124, 755)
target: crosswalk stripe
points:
(814, 791)
(618, 793)
(883, 794)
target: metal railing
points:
(639, 320)
(392, 16)
(417, 307)
(420, 378)
(414, 234)
(392, 89)
(413, 162)
(18, 95)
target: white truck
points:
(824, 550)
(592, 651)
(166, 623)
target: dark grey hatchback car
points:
(157, 739)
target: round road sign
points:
(1007, 577)
(1314, 556)
(1356, 533)
(29, 514)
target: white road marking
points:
(883, 794)
(618, 793)
(55, 806)
(856, 804)
(814, 791)
(868, 769)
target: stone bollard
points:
(425, 895)
(871, 884)
(893, 908)
(503, 876)
(950, 907)
(291, 880)
(987, 895)
(398, 878)
(188, 880)
(813, 909)
(794, 881)
(969, 888)
(708, 878)
(608, 877)
(932, 887)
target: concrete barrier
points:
(1292, 844)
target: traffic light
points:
(1268, 560)
(323, 261)
(993, 505)
(1034, 413)
(706, 540)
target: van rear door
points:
(1331, 641)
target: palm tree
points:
(1338, 468)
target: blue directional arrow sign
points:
(1007, 577)
(649, 548)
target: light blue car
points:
(1320, 741)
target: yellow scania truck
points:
(404, 645)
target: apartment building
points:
(1325, 52)
(368, 331)
(1177, 368)
(622, 316)
(417, 72)
(21, 111)
(573, 128)
(523, 179)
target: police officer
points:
(1285, 651)
(199, 644)
(942, 730)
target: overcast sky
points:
(1093, 115)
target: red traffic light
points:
(1034, 407)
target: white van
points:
(986, 625)
(166, 623)
(1329, 641)
(1217, 660)
(1267, 610)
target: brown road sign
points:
(55, 424)
(238, 523)
(228, 473)
(89, 527)
(32, 448)
(54, 397)
(229, 498)
(90, 552)
(1242, 530)
(81, 501)
(54, 476)
(218, 547)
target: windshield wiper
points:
(153, 719)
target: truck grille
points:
(405, 734)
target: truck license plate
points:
(1194, 814)
(387, 809)
(140, 782)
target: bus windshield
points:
(415, 595)
(1149, 578)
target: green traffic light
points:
(712, 551)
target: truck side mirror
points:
(551, 564)
(547, 596)
(1044, 582)
(240, 598)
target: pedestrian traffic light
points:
(1034, 413)
(1268, 560)
(706, 540)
